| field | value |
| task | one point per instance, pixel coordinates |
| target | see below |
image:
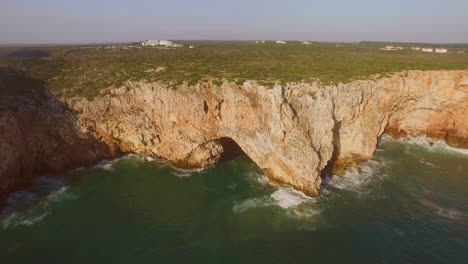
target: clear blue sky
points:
(78, 21)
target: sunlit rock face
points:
(296, 133)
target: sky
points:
(91, 21)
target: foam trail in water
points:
(360, 178)
(293, 203)
(257, 179)
(435, 145)
(183, 173)
(448, 213)
(105, 165)
(15, 215)
(287, 197)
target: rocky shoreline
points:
(296, 133)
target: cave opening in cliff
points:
(231, 150)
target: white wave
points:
(261, 178)
(448, 213)
(13, 216)
(420, 141)
(293, 203)
(304, 212)
(287, 204)
(184, 173)
(443, 145)
(22, 219)
(149, 159)
(359, 178)
(240, 207)
(105, 165)
(109, 164)
(287, 197)
(61, 195)
(257, 179)
(435, 145)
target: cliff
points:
(296, 133)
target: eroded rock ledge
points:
(295, 133)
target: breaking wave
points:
(362, 178)
(25, 208)
(183, 173)
(257, 179)
(286, 197)
(105, 165)
(440, 211)
(294, 203)
(434, 145)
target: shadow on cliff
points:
(38, 133)
(231, 150)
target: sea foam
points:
(293, 203)
(26, 208)
(431, 144)
(361, 178)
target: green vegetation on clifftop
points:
(79, 71)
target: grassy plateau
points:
(86, 71)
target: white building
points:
(399, 48)
(159, 43)
(150, 43)
(306, 43)
(427, 50)
(416, 48)
(388, 48)
(440, 50)
(165, 43)
(280, 42)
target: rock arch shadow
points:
(231, 150)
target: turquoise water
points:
(408, 205)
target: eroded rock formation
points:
(295, 133)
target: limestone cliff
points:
(40, 136)
(295, 133)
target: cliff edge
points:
(296, 133)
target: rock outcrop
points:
(295, 133)
(41, 137)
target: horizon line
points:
(222, 40)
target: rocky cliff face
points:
(40, 136)
(295, 133)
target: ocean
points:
(407, 205)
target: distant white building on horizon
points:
(150, 43)
(427, 50)
(416, 48)
(163, 43)
(280, 42)
(388, 48)
(441, 50)
(306, 43)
